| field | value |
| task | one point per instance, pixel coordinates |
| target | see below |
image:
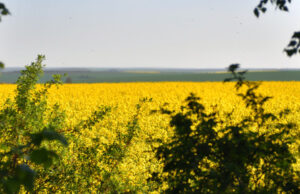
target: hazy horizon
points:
(147, 68)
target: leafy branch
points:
(26, 130)
(294, 45)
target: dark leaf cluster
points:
(3, 10)
(294, 45)
(280, 4)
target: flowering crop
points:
(116, 151)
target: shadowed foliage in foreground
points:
(211, 154)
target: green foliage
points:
(280, 4)
(3, 11)
(294, 44)
(208, 154)
(27, 124)
(1, 65)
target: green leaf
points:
(233, 67)
(12, 186)
(25, 176)
(43, 157)
(3, 10)
(256, 12)
(37, 139)
(49, 135)
(263, 9)
(292, 43)
(285, 8)
(4, 147)
(53, 135)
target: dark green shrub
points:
(210, 154)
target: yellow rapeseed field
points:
(80, 100)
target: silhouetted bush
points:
(211, 154)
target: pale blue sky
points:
(147, 33)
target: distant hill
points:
(98, 75)
(89, 69)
